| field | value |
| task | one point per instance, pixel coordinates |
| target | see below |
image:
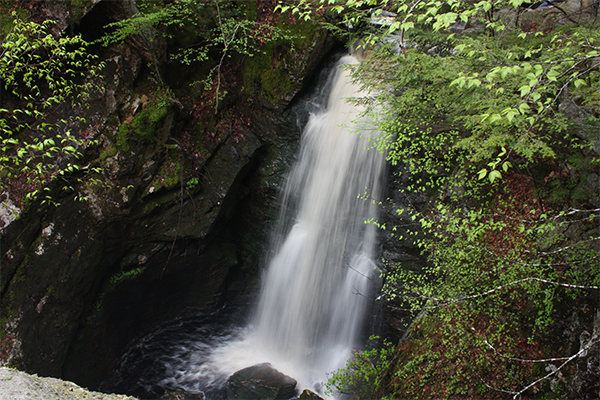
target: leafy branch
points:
(41, 72)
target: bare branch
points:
(583, 348)
(525, 360)
(447, 302)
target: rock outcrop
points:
(17, 385)
(309, 395)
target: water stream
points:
(317, 282)
(319, 270)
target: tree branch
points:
(447, 302)
(583, 348)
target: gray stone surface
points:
(17, 385)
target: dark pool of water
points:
(172, 357)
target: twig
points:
(226, 45)
(180, 210)
(524, 360)
(358, 272)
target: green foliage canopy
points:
(492, 112)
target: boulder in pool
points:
(260, 382)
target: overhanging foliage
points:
(40, 72)
(493, 111)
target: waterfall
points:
(318, 277)
(314, 294)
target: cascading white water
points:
(317, 281)
(313, 298)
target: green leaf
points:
(493, 175)
(552, 74)
(495, 117)
(525, 89)
(510, 113)
(407, 25)
(524, 108)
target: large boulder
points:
(260, 382)
(309, 395)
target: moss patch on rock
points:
(121, 140)
(7, 338)
(271, 73)
(168, 176)
(266, 77)
(109, 151)
(147, 120)
(7, 21)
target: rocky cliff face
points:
(175, 220)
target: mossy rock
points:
(78, 9)
(277, 73)
(147, 122)
(7, 22)
(107, 152)
(260, 76)
(122, 142)
(167, 177)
